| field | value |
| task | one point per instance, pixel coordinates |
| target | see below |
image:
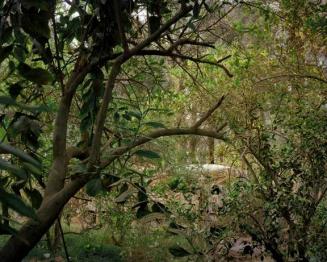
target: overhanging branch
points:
(117, 152)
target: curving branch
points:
(162, 132)
(58, 169)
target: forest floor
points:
(79, 248)
(82, 249)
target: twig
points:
(63, 240)
(293, 76)
(209, 113)
(185, 57)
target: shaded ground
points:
(79, 248)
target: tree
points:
(75, 51)
(278, 119)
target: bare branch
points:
(182, 42)
(185, 57)
(208, 113)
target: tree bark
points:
(19, 245)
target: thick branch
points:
(58, 169)
(101, 116)
(117, 152)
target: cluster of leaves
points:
(292, 157)
(24, 49)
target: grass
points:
(97, 246)
(86, 247)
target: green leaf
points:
(208, 8)
(19, 153)
(154, 23)
(36, 75)
(155, 124)
(110, 181)
(127, 116)
(36, 24)
(20, 53)
(137, 115)
(16, 204)
(34, 196)
(147, 153)
(196, 9)
(6, 100)
(40, 4)
(123, 197)
(94, 187)
(6, 36)
(159, 208)
(36, 109)
(5, 52)
(141, 195)
(5, 229)
(33, 169)
(178, 251)
(142, 211)
(191, 25)
(15, 170)
(15, 90)
(4, 181)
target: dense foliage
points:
(88, 87)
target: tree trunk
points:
(19, 245)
